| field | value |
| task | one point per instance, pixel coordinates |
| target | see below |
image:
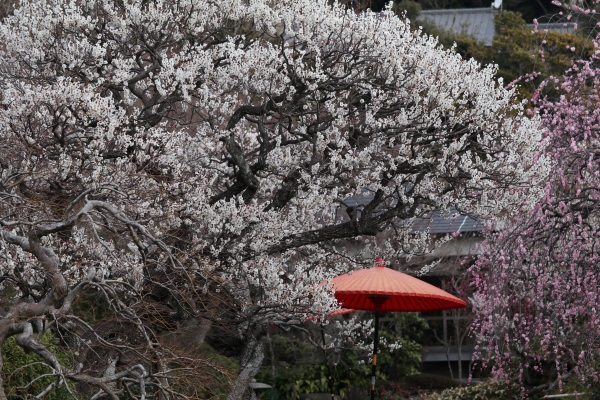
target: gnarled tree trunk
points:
(250, 364)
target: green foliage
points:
(411, 326)
(411, 9)
(516, 50)
(487, 390)
(407, 329)
(292, 381)
(594, 392)
(211, 378)
(295, 363)
(463, 44)
(91, 306)
(297, 369)
(20, 369)
(401, 362)
(291, 351)
(587, 389)
(428, 382)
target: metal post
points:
(374, 366)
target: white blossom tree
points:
(189, 147)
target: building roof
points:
(475, 22)
(452, 222)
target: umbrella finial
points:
(379, 262)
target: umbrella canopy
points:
(383, 289)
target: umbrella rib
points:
(430, 303)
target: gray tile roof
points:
(437, 223)
(475, 22)
(359, 199)
(448, 223)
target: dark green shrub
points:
(429, 382)
(291, 351)
(291, 382)
(487, 390)
(20, 369)
(410, 8)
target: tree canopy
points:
(193, 158)
(538, 279)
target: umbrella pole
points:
(374, 366)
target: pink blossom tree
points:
(538, 282)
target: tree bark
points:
(251, 362)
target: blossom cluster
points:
(538, 283)
(206, 148)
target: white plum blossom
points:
(206, 150)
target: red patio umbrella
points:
(382, 289)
